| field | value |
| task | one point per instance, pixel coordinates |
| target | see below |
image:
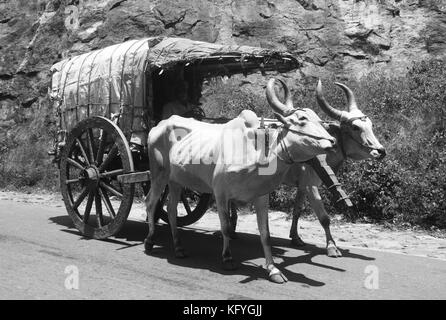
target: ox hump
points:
(250, 119)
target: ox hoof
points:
(333, 251)
(148, 245)
(276, 276)
(180, 253)
(297, 242)
(229, 264)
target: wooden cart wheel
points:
(96, 152)
(191, 208)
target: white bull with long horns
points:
(355, 140)
(180, 150)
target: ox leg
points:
(225, 226)
(324, 219)
(233, 219)
(151, 201)
(261, 205)
(298, 207)
(172, 210)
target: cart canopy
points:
(111, 81)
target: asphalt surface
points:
(43, 257)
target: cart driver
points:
(181, 105)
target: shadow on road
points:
(204, 250)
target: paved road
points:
(38, 243)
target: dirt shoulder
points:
(410, 241)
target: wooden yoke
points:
(328, 177)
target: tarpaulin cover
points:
(110, 81)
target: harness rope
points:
(281, 139)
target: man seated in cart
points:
(178, 95)
(181, 105)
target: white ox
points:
(180, 150)
(355, 140)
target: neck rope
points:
(288, 159)
(281, 138)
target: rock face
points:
(349, 37)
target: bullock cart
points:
(107, 101)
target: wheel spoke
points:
(185, 203)
(88, 207)
(91, 145)
(84, 154)
(81, 198)
(74, 163)
(110, 189)
(101, 148)
(98, 204)
(71, 181)
(107, 203)
(112, 173)
(111, 155)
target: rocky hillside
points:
(349, 37)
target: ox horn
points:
(278, 107)
(325, 106)
(350, 96)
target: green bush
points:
(24, 162)
(408, 113)
(28, 165)
(228, 99)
